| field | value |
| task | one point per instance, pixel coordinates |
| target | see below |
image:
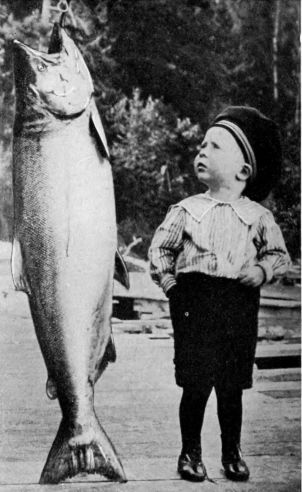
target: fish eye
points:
(42, 67)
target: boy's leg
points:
(229, 409)
(191, 415)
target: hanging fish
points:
(65, 244)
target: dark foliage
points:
(162, 70)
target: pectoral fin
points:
(121, 273)
(109, 356)
(19, 277)
(97, 129)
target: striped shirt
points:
(202, 234)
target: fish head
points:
(58, 81)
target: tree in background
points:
(166, 48)
(160, 69)
(197, 56)
(149, 163)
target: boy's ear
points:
(245, 173)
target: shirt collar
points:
(247, 210)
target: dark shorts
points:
(215, 323)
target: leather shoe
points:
(191, 468)
(235, 468)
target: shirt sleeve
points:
(273, 256)
(165, 246)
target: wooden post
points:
(45, 11)
(275, 50)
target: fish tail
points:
(86, 451)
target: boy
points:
(210, 255)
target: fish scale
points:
(65, 242)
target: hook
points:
(62, 7)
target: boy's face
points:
(219, 160)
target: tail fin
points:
(74, 453)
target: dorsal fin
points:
(98, 130)
(120, 271)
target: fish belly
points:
(65, 224)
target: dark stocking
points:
(229, 409)
(191, 414)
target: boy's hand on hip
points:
(171, 292)
(252, 277)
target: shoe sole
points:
(236, 478)
(191, 478)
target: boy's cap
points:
(259, 139)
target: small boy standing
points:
(210, 255)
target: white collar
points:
(247, 210)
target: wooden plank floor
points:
(137, 402)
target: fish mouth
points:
(50, 58)
(55, 46)
(56, 40)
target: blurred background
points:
(162, 69)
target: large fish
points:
(65, 243)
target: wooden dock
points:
(137, 402)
